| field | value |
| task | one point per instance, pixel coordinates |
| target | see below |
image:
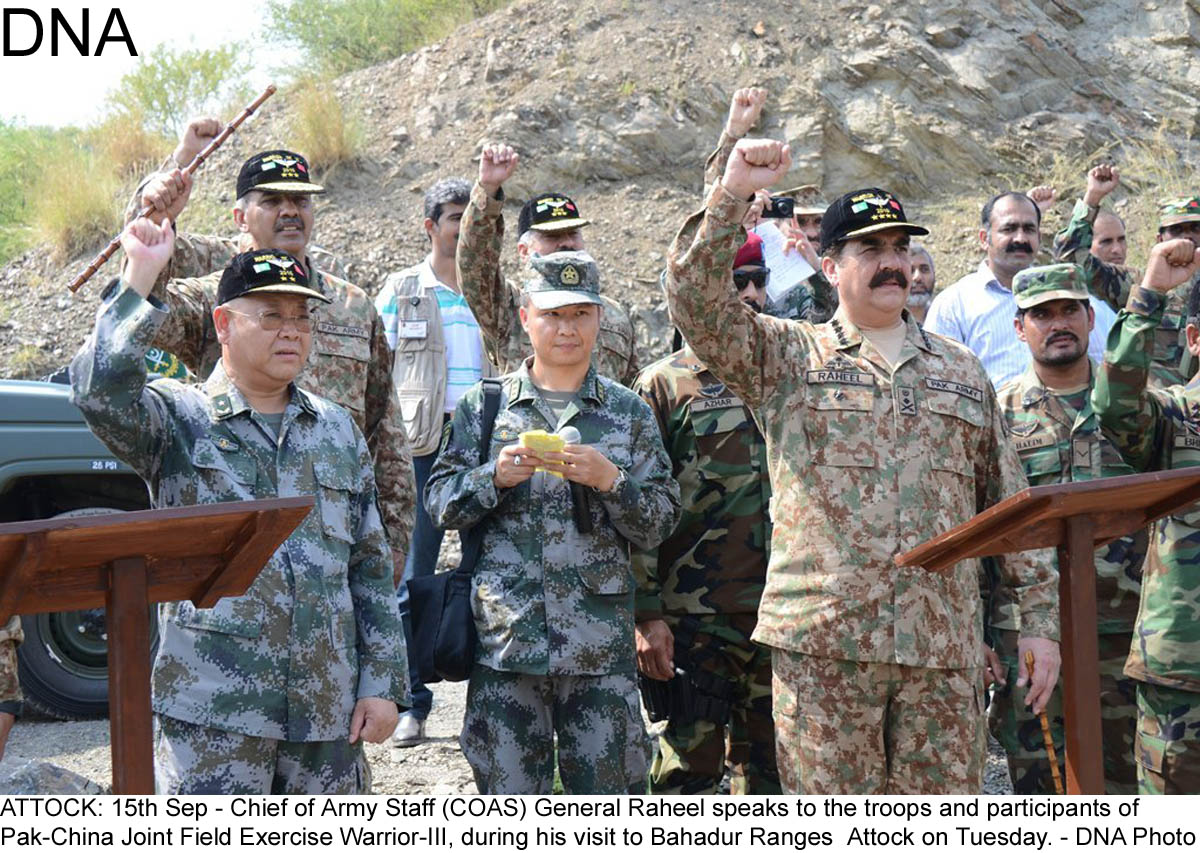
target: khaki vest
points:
(419, 361)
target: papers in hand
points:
(787, 270)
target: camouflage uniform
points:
(554, 607)
(709, 573)
(11, 636)
(350, 362)
(1059, 446)
(318, 629)
(866, 461)
(813, 299)
(1112, 284)
(496, 303)
(1155, 430)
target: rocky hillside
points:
(617, 102)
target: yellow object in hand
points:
(540, 441)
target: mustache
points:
(1062, 336)
(889, 277)
(1020, 247)
(289, 222)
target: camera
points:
(780, 207)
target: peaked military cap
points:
(1176, 210)
(864, 212)
(277, 171)
(549, 212)
(266, 271)
(563, 278)
(1036, 285)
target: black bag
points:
(439, 605)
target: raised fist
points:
(1172, 263)
(1043, 196)
(199, 132)
(755, 164)
(497, 162)
(148, 247)
(1101, 180)
(744, 111)
(167, 194)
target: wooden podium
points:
(125, 562)
(1077, 518)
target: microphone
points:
(580, 499)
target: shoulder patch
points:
(969, 391)
(1023, 427)
(715, 390)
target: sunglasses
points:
(743, 278)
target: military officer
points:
(1058, 438)
(698, 592)
(1107, 277)
(1159, 429)
(11, 636)
(553, 591)
(549, 222)
(274, 690)
(350, 362)
(879, 436)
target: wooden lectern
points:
(125, 562)
(1077, 518)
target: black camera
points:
(780, 207)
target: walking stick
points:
(1050, 753)
(191, 167)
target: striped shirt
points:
(978, 312)
(464, 344)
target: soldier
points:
(924, 280)
(11, 636)
(272, 691)
(879, 436)
(1155, 430)
(350, 362)
(1058, 438)
(813, 299)
(1104, 261)
(977, 310)
(549, 222)
(698, 592)
(438, 357)
(553, 590)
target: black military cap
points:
(864, 212)
(276, 171)
(266, 271)
(549, 212)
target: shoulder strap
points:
(473, 539)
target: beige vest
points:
(419, 361)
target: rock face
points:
(617, 103)
(41, 778)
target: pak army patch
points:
(969, 391)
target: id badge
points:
(414, 329)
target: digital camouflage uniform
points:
(11, 636)
(1157, 430)
(866, 462)
(1112, 284)
(813, 299)
(318, 629)
(350, 363)
(1059, 445)
(709, 574)
(495, 302)
(553, 606)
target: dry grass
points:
(123, 142)
(75, 203)
(1152, 168)
(28, 362)
(323, 128)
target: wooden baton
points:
(1046, 736)
(191, 167)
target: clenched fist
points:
(1172, 263)
(497, 162)
(755, 164)
(744, 110)
(1101, 181)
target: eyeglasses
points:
(273, 321)
(743, 278)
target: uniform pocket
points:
(226, 474)
(334, 495)
(240, 616)
(723, 442)
(606, 578)
(840, 426)
(342, 359)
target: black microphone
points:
(580, 499)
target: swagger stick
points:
(1046, 736)
(191, 167)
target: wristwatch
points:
(618, 483)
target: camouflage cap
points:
(563, 278)
(808, 198)
(1176, 210)
(1036, 285)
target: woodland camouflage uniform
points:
(709, 574)
(866, 462)
(1157, 430)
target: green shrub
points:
(323, 129)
